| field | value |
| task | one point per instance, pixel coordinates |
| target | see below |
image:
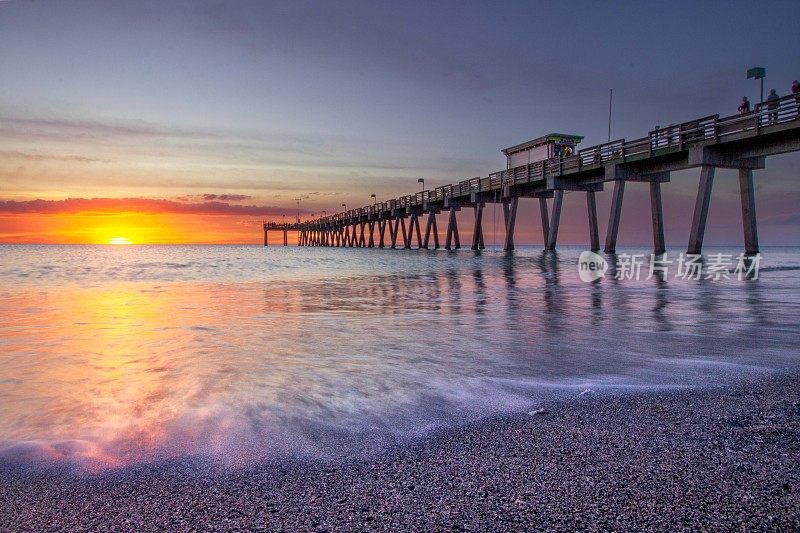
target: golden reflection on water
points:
(93, 378)
(105, 372)
(122, 372)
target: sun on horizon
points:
(119, 240)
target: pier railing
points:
(677, 137)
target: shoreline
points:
(722, 458)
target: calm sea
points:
(112, 355)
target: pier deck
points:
(739, 142)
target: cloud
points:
(226, 197)
(71, 129)
(210, 197)
(141, 140)
(29, 156)
(135, 205)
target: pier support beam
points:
(406, 238)
(381, 231)
(413, 229)
(393, 229)
(371, 243)
(594, 234)
(431, 227)
(285, 237)
(452, 231)
(613, 219)
(657, 212)
(555, 219)
(361, 241)
(510, 217)
(701, 210)
(266, 237)
(477, 232)
(747, 191)
(545, 219)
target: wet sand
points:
(723, 459)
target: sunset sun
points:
(119, 240)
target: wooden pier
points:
(285, 228)
(740, 142)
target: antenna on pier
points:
(298, 208)
(610, 100)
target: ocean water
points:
(115, 355)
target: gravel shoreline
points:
(711, 459)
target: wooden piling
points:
(381, 231)
(657, 215)
(393, 230)
(748, 197)
(452, 231)
(543, 209)
(555, 220)
(371, 243)
(700, 214)
(477, 232)
(406, 240)
(594, 234)
(614, 216)
(430, 227)
(510, 217)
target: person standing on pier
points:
(796, 93)
(744, 107)
(772, 105)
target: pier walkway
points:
(740, 142)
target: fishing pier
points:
(741, 142)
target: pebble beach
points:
(722, 459)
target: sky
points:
(190, 122)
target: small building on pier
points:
(550, 145)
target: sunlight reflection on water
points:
(239, 353)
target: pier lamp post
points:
(344, 206)
(375, 198)
(284, 220)
(422, 181)
(758, 73)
